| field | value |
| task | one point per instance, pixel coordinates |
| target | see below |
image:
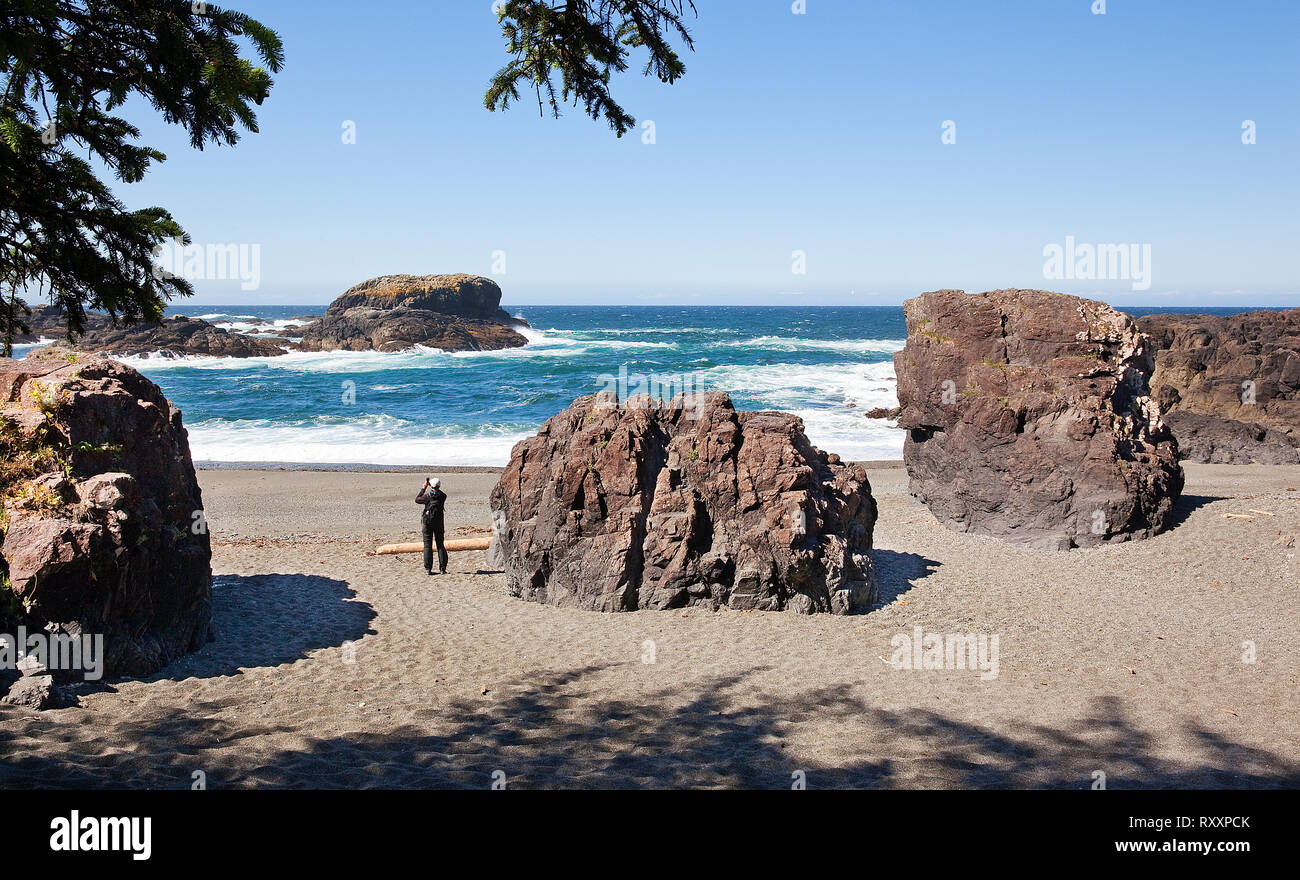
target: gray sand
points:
(1125, 660)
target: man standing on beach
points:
(433, 499)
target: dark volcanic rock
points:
(366, 329)
(175, 337)
(1227, 441)
(1230, 385)
(449, 312)
(38, 692)
(466, 296)
(102, 530)
(652, 506)
(1029, 419)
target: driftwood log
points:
(451, 546)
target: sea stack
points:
(395, 312)
(1229, 386)
(650, 505)
(1029, 418)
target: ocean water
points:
(428, 407)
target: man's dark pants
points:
(432, 533)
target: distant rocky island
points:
(393, 312)
(449, 312)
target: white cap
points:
(435, 482)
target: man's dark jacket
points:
(433, 501)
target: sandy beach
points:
(337, 669)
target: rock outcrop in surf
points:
(390, 313)
(1229, 386)
(394, 312)
(653, 505)
(174, 337)
(1028, 418)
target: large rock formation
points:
(1229, 386)
(651, 505)
(1029, 418)
(449, 312)
(102, 529)
(174, 337)
(391, 313)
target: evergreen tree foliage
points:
(585, 42)
(66, 67)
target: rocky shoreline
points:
(174, 337)
(1230, 385)
(1032, 417)
(390, 313)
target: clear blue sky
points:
(818, 132)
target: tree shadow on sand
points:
(723, 732)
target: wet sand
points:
(336, 669)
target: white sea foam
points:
(830, 398)
(296, 361)
(375, 440)
(540, 345)
(555, 343)
(854, 438)
(215, 315)
(839, 386)
(585, 338)
(789, 343)
(636, 331)
(20, 350)
(332, 361)
(258, 325)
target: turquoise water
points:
(427, 407)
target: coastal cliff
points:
(1229, 386)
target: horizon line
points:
(697, 305)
